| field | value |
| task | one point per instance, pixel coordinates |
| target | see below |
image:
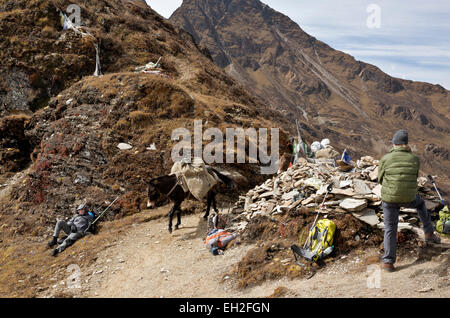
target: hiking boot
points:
(432, 238)
(388, 267)
(54, 252)
(53, 242)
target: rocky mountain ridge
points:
(354, 104)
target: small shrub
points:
(122, 124)
(49, 31)
(43, 21)
(14, 40)
(141, 119)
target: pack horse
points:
(186, 178)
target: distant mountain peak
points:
(353, 103)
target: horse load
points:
(194, 177)
(187, 177)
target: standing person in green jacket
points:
(397, 173)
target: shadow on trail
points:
(200, 231)
(428, 253)
(405, 266)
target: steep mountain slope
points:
(354, 104)
(60, 126)
(69, 142)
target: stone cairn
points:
(355, 190)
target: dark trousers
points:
(391, 212)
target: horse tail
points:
(229, 182)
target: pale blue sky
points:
(412, 42)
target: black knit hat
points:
(400, 138)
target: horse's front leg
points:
(208, 206)
(214, 202)
(178, 218)
(176, 209)
(171, 212)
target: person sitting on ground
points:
(75, 229)
(397, 173)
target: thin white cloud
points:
(413, 30)
(415, 73)
(398, 51)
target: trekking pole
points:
(434, 184)
(101, 214)
(329, 188)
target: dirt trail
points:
(149, 262)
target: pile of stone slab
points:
(305, 184)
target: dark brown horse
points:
(170, 187)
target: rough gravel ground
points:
(149, 262)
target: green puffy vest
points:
(397, 173)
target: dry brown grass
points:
(272, 258)
(122, 124)
(49, 31)
(146, 109)
(43, 21)
(27, 268)
(265, 263)
(141, 119)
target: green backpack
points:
(443, 225)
